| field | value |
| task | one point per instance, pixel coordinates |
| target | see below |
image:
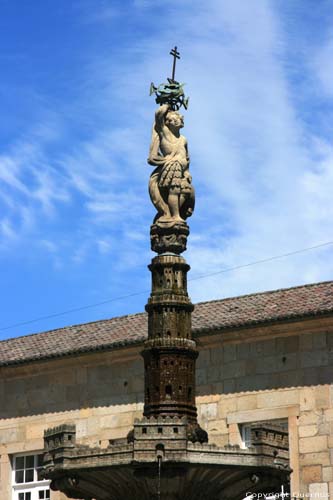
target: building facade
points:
(265, 357)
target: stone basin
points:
(170, 468)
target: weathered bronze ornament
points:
(171, 93)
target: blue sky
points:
(75, 133)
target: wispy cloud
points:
(31, 186)
(322, 64)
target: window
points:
(246, 436)
(27, 481)
(250, 432)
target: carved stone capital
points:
(169, 238)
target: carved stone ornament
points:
(170, 184)
(67, 485)
(169, 239)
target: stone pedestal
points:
(169, 237)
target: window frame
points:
(32, 487)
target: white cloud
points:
(30, 186)
(104, 246)
(7, 230)
(98, 11)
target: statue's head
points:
(174, 120)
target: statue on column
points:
(170, 184)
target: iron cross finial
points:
(172, 92)
(175, 55)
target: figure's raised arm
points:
(160, 117)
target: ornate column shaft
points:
(170, 352)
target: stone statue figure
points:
(170, 185)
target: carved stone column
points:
(170, 353)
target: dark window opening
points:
(168, 391)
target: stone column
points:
(170, 352)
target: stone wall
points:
(250, 375)
(101, 394)
(282, 372)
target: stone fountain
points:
(166, 455)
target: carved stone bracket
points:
(67, 485)
(171, 238)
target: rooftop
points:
(217, 315)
